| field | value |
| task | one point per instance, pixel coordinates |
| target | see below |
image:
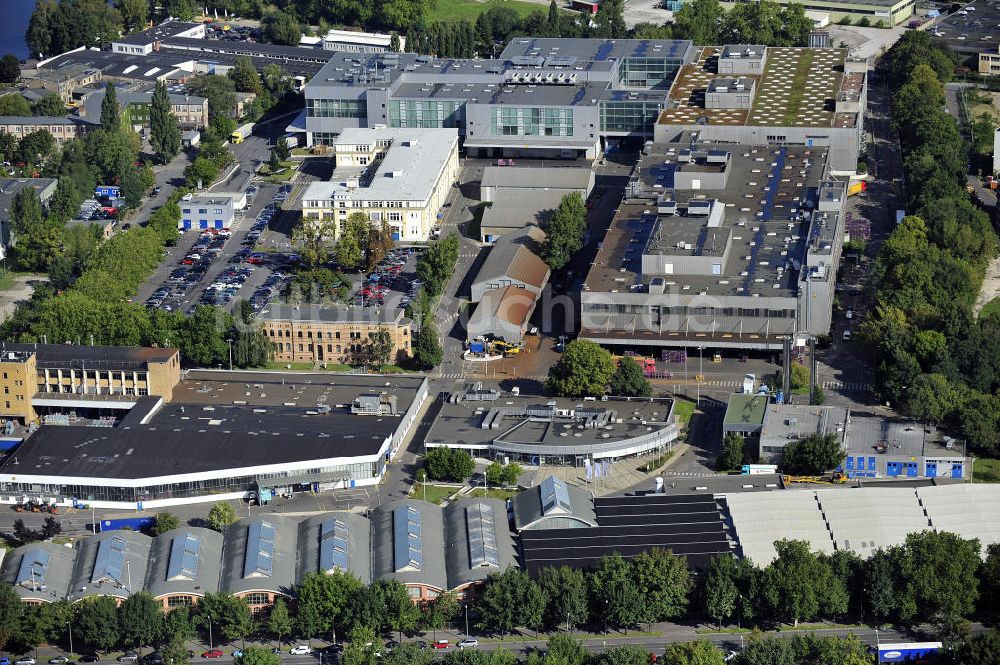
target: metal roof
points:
(408, 544)
(112, 563)
(478, 540)
(333, 546)
(535, 177)
(260, 555)
(407, 538)
(553, 503)
(39, 571)
(259, 549)
(335, 541)
(185, 561)
(184, 553)
(34, 566)
(555, 496)
(110, 560)
(480, 527)
(515, 256)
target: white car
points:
(847, 335)
(468, 643)
(300, 650)
(849, 314)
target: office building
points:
(191, 112)
(330, 334)
(61, 128)
(540, 97)
(147, 41)
(400, 177)
(756, 95)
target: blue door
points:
(892, 468)
(930, 469)
(956, 470)
(187, 224)
(202, 223)
(861, 463)
(850, 463)
(218, 224)
(395, 236)
(871, 464)
(489, 238)
(911, 469)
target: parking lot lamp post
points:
(70, 627)
(466, 618)
(230, 354)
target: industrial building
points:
(514, 261)
(879, 13)
(539, 98)
(542, 431)
(64, 81)
(212, 438)
(519, 196)
(359, 42)
(321, 334)
(147, 41)
(401, 177)
(207, 211)
(552, 504)
(764, 96)
(717, 245)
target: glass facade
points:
(629, 116)
(426, 113)
(336, 108)
(324, 138)
(530, 121)
(648, 72)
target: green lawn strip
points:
(493, 493)
(469, 10)
(986, 470)
(7, 278)
(992, 308)
(798, 89)
(434, 493)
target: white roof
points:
(351, 37)
(409, 172)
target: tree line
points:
(938, 361)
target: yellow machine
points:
(832, 479)
(506, 348)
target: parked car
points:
(25, 660)
(87, 658)
(468, 643)
(300, 650)
(238, 653)
(213, 653)
(128, 657)
(58, 660)
(440, 644)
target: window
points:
(257, 598)
(202, 211)
(413, 592)
(178, 601)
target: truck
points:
(758, 469)
(134, 521)
(108, 191)
(241, 133)
(856, 187)
(900, 214)
(749, 383)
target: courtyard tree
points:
(583, 370)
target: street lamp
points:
(70, 627)
(230, 341)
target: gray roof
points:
(596, 50)
(39, 571)
(408, 544)
(784, 423)
(513, 210)
(187, 560)
(37, 120)
(553, 504)
(535, 177)
(336, 540)
(478, 540)
(333, 314)
(165, 30)
(516, 256)
(92, 103)
(111, 563)
(260, 555)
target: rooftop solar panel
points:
(333, 545)
(482, 533)
(184, 551)
(407, 539)
(110, 560)
(34, 565)
(260, 550)
(555, 496)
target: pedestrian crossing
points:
(855, 386)
(479, 375)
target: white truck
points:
(749, 383)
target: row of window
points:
(319, 334)
(336, 108)
(748, 312)
(520, 121)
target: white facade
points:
(361, 42)
(398, 176)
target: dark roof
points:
(253, 49)
(688, 525)
(157, 33)
(36, 120)
(96, 357)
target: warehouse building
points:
(184, 565)
(511, 213)
(521, 196)
(752, 95)
(408, 546)
(317, 334)
(39, 572)
(552, 504)
(65, 80)
(111, 563)
(259, 559)
(719, 246)
(145, 42)
(879, 13)
(504, 313)
(213, 439)
(401, 177)
(540, 98)
(478, 542)
(515, 260)
(558, 432)
(335, 542)
(360, 42)
(207, 211)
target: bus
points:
(908, 652)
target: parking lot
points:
(393, 283)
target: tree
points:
(244, 76)
(494, 473)
(436, 266)
(449, 464)
(10, 614)
(565, 231)
(427, 351)
(701, 652)
(110, 113)
(583, 370)
(221, 95)
(566, 590)
(626, 655)
(628, 380)
(610, 19)
(97, 623)
(721, 591)
(51, 528)
(360, 650)
(282, 28)
(932, 398)
(178, 624)
(14, 104)
(313, 237)
(798, 585)
(813, 455)
(732, 455)
(253, 655)
(394, 44)
(10, 69)
(663, 582)
(221, 515)
(950, 595)
(140, 620)
(511, 599)
(164, 522)
(25, 212)
(164, 134)
(351, 241)
(324, 601)
(35, 147)
(279, 621)
(503, 474)
(282, 150)
(49, 105)
(134, 13)
(698, 20)
(614, 598)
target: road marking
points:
(849, 385)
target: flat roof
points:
(37, 120)
(745, 410)
(973, 33)
(408, 172)
(596, 50)
(511, 209)
(798, 88)
(333, 314)
(870, 433)
(537, 177)
(150, 67)
(766, 193)
(784, 423)
(221, 421)
(158, 33)
(93, 357)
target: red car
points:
(440, 644)
(212, 653)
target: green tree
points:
(950, 594)
(134, 13)
(701, 652)
(164, 522)
(663, 582)
(279, 620)
(49, 105)
(565, 231)
(10, 69)
(721, 591)
(614, 598)
(626, 655)
(566, 590)
(511, 599)
(813, 455)
(583, 370)
(799, 585)
(732, 455)
(221, 515)
(96, 623)
(253, 655)
(199, 336)
(981, 648)
(25, 212)
(282, 28)
(494, 473)
(244, 76)
(324, 601)
(282, 150)
(164, 133)
(35, 147)
(698, 20)
(449, 464)
(932, 398)
(610, 19)
(313, 238)
(14, 104)
(394, 44)
(436, 266)
(629, 380)
(438, 612)
(427, 351)
(221, 95)
(175, 650)
(140, 620)
(360, 650)
(178, 624)
(10, 614)
(110, 113)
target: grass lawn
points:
(457, 10)
(684, 409)
(434, 493)
(296, 367)
(992, 308)
(493, 493)
(283, 175)
(986, 470)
